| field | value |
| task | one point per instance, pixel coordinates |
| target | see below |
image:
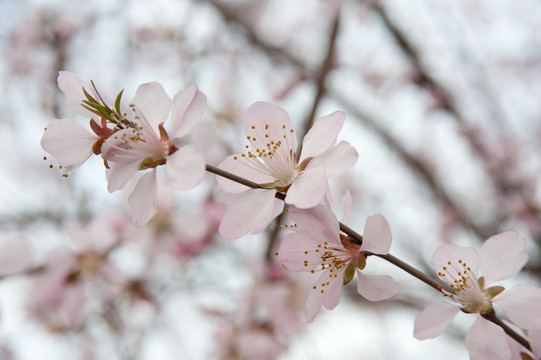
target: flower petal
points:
(432, 321)
(253, 209)
(296, 248)
(319, 223)
(267, 122)
(188, 107)
(454, 253)
(119, 174)
(377, 287)
(185, 168)
(377, 235)
(336, 160)
(333, 291)
(313, 305)
(330, 297)
(322, 135)
(72, 86)
(119, 150)
(535, 341)
(346, 207)
(277, 209)
(522, 305)
(68, 142)
(486, 340)
(240, 168)
(308, 189)
(142, 200)
(502, 256)
(152, 101)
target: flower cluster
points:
(150, 137)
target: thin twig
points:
(437, 285)
(344, 228)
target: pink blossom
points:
(265, 319)
(65, 139)
(62, 289)
(145, 144)
(272, 162)
(500, 257)
(317, 247)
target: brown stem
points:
(491, 316)
(344, 228)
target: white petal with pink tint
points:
(535, 341)
(502, 256)
(292, 252)
(487, 341)
(261, 114)
(185, 168)
(333, 291)
(119, 174)
(153, 102)
(330, 297)
(68, 142)
(377, 235)
(252, 209)
(319, 223)
(322, 135)
(188, 107)
(336, 160)
(453, 253)
(243, 170)
(346, 207)
(432, 321)
(522, 305)
(377, 287)
(277, 209)
(142, 200)
(308, 189)
(72, 86)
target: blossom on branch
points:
(317, 247)
(144, 143)
(271, 161)
(500, 257)
(133, 141)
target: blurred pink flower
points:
(145, 144)
(265, 320)
(63, 289)
(272, 162)
(317, 246)
(501, 257)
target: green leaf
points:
(117, 102)
(89, 97)
(92, 110)
(103, 110)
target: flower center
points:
(335, 260)
(272, 153)
(468, 290)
